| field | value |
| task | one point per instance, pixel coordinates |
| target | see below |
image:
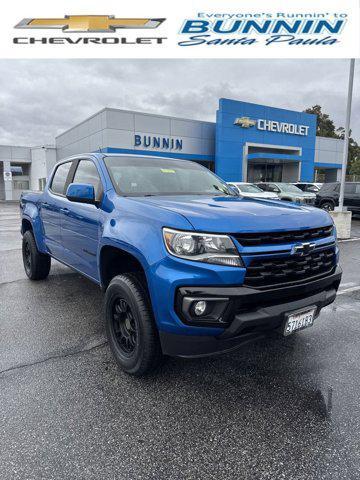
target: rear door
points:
(350, 196)
(356, 199)
(50, 208)
(80, 222)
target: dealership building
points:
(248, 142)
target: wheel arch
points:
(26, 225)
(116, 260)
(33, 224)
(327, 199)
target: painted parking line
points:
(10, 229)
(355, 239)
(349, 284)
(348, 290)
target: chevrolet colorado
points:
(188, 267)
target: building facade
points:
(248, 142)
(24, 168)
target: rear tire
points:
(36, 264)
(130, 326)
(327, 205)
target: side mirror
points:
(81, 193)
(235, 190)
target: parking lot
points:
(280, 408)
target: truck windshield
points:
(248, 188)
(288, 187)
(137, 176)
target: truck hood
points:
(236, 214)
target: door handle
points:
(65, 211)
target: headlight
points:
(202, 247)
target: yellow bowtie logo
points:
(245, 122)
(90, 23)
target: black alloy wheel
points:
(26, 251)
(125, 326)
(328, 206)
(36, 264)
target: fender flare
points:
(31, 214)
(125, 247)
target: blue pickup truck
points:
(188, 267)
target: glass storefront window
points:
(265, 172)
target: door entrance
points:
(273, 171)
(265, 172)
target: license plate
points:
(299, 320)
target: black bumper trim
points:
(267, 314)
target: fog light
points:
(200, 308)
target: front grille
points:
(262, 272)
(310, 201)
(271, 238)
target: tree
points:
(326, 128)
(355, 167)
(354, 152)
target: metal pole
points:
(346, 134)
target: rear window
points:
(330, 187)
(350, 188)
(59, 178)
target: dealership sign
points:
(164, 143)
(230, 31)
(273, 126)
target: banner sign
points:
(223, 29)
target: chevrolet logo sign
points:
(245, 122)
(303, 248)
(90, 23)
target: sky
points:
(40, 99)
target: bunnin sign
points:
(163, 143)
(273, 126)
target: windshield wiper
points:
(224, 192)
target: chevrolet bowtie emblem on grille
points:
(89, 23)
(303, 248)
(245, 122)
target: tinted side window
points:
(86, 172)
(59, 178)
(311, 188)
(350, 188)
(273, 188)
(330, 187)
(358, 188)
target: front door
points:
(80, 223)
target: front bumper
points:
(253, 314)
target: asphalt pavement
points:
(281, 408)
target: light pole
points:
(346, 135)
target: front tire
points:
(36, 264)
(130, 326)
(327, 205)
